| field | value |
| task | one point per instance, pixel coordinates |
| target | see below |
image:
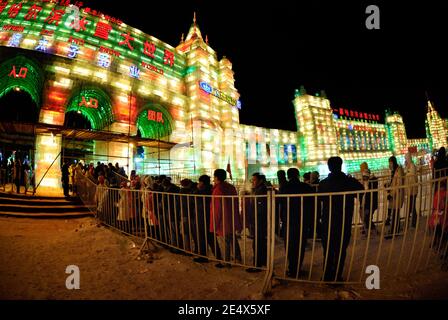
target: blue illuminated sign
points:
(218, 94)
(206, 87)
(134, 72)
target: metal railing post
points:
(267, 282)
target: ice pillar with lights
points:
(212, 117)
(47, 161)
(316, 129)
(398, 140)
(437, 133)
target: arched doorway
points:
(154, 122)
(21, 82)
(87, 109)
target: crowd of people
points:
(19, 171)
(194, 215)
(108, 175)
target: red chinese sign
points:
(101, 15)
(55, 16)
(32, 13)
(91, 103)
(355, 114)
(14, 10)
(127, 40)
(100, 28)
(155, 116)
(149, 49)
(22, 72)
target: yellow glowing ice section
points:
(63, 83)
(82, 71)
(121, 85)
(48, 153)
(62, 70)
(436, 127)
(100, 75)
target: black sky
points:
(276, 46)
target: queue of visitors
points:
(199, 216)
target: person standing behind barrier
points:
(314, 182)
(171, 212)
(395, 197)
(314, 178)
(411, 181)
(438, 222)
(185, 214)
(16, 173)
(120, 170)
(202, 236)
(300, 219)
(27, 173)
(136, 205)
(224, 214)
(100, 196)
(369, 201)
(65, 179)
(158, 210)
(307, 177)
(260, 213)
(247, 211)
(280, 212)
(336, 222)
(31, 179)
(70, 177)
(77, 178)
(124, 207)
(148, 212)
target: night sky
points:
(277, 46)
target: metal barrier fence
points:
(315, 237)
(220, 228)
(396, 233)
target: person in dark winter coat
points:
(260, 213)
(280, 213)
(336, 222)
(300, 217)
(171, 213)
(65, 178)
(202, 237)
(187, 187)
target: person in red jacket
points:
(438, 222)
(224, 214)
